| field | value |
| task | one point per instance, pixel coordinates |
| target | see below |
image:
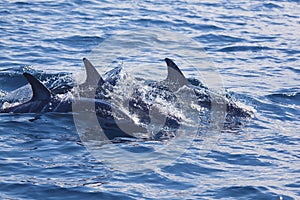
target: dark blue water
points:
(255, 47)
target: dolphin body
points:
(205, 98)
(203, 94)
(42, 100)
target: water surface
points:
(254, 45)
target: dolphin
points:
(170, 89)
(204, 95)
(42, 100)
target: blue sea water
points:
(255, 48)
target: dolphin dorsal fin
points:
(93, 78)
(175, 77)
(39, 91)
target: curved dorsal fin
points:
(39, 91)
(175, 77)
(93, 78)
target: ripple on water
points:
(254, 44)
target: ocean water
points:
(254, 47)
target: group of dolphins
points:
(45, 100)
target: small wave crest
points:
(292, 97)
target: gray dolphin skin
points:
(43, 100)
